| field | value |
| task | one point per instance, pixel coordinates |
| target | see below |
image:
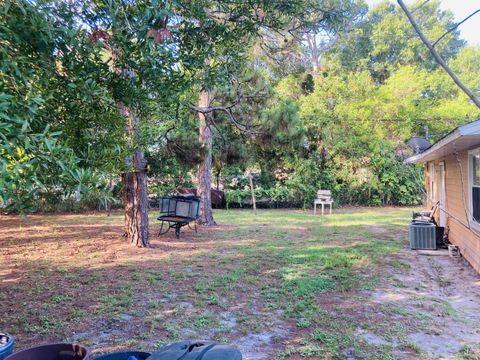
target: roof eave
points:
(438, 145)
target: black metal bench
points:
(178, 211)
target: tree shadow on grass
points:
(118, 296)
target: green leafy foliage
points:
(67, 67)
(378, 88)
(50, 103)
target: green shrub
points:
(385, 180)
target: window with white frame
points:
(431, 176)
(474, 184)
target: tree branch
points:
(214, 124)
(420, 6)
(227, 110)
(174, 126)
(437, 56)
(454, 27)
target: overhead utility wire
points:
(437, 56)
(455, 26)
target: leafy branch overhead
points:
(308, 94)
(436, 55)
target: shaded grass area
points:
(285, 284)
(318, 261)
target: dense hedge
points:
(383, 180)
(386, 181)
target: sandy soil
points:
(58, 281)
(440, 288)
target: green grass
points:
(309, 256)
(469, 352)
(278, 267)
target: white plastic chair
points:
(324, 197)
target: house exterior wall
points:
(461, 232)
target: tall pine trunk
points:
(314, 54)
(135, 191)
(204, 174)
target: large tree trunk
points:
(314, 54)
(135, 191)
(204, 174)
(136, 202)
(128, 200)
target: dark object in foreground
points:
(178, 211)
(52, 352)
(196, 350)
(125, 355)
(6, 345)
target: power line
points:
(455, 26)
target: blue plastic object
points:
(59, 351)
(125, 355)
(196, 350)
(6, 345)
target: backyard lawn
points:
(280, 285)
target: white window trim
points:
(431, 180)
(442, 207)
(472, 222)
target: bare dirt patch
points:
(434, 297)
(282, 285)
(442, 293)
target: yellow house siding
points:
(456, 203)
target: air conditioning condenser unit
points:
(422, 236)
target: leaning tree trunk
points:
(204, 175)
(135, 194)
